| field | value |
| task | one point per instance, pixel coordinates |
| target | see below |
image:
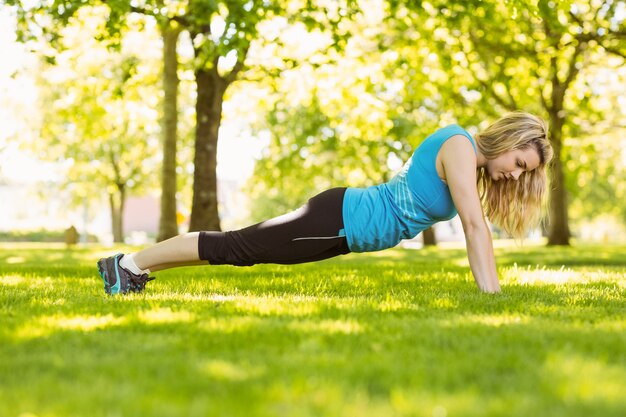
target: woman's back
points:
(378, 217)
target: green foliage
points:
(98, 118)
(598, 170)
(221, 33)
(341, 123)
(309, 152)
(460, 62)
(506, 53)
(551, 58)
(416, 67)
(289, 169)
(399, 333)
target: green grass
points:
(397, 333)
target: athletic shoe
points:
(118, 280)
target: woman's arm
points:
(459, 164)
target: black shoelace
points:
(138, 283)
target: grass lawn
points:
(397, 333)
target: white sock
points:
(127, 262)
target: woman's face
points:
(511, 164)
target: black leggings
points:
(310, 233)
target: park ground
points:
(395, 333)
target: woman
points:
(504, 168)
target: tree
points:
(168, 224)
(495, 56)
(47, 21)
(222, 33)
(96, 120)
(355, 124)
(336, 133)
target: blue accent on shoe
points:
(115, 289)
(103, 274)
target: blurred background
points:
(135, 121)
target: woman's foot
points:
(119, 280)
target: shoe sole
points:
(102, 270)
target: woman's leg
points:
(310, 233)
(180, 250)
(129, 273)
(161, 267)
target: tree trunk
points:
(429, 237)
(211, 88)
(559, 232)
(168, 225)
(117, 213)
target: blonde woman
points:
(500, 174)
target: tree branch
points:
(496, 96)
(232, 76)
(510, 96)
(573, 69)
(557, 86)
(577, 19)
(614, 51)
(139, 10)
(182, 20)
(620, 34)
(544, 102)
(511, 105)
(116, 170)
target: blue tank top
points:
(380, 216)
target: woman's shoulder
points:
(452, 130)
(442, 135)
(453, 127)
(455, 131)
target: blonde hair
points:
(515, 206)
